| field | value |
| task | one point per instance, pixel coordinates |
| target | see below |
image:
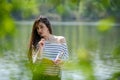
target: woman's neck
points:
(48, 37)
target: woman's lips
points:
(41, 34)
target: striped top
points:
(52, 50)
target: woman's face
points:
(42, 29)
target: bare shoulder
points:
(60, 39)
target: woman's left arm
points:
(63, 55)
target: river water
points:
(14, 65)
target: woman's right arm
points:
(36, 54)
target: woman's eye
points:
(41, 26)
(37, 28)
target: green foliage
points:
(85, 63)
(76, 36)
(116, 52)
(96, 9)
(25, 7)
(7, 23)
(7, 27)
(115, 76)
(106, 3)
(5, 8)
(60, 9)
(87, 9)
(55, 2)
(105, 24)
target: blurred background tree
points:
(10, 11)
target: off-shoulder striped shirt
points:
(52, 51)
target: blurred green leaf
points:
(60, 9)
(115, 76)
(83, 54)
(8, 25)
(85, 64)
(105, 24)
(116, 51)
(106, 3)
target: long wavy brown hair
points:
(35, 37)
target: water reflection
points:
(101, 50)
(12, 66)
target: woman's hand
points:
(58, 61)
(41, 43)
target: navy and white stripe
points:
(51, 50)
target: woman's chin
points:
(42, 36)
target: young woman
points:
(45, 45)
